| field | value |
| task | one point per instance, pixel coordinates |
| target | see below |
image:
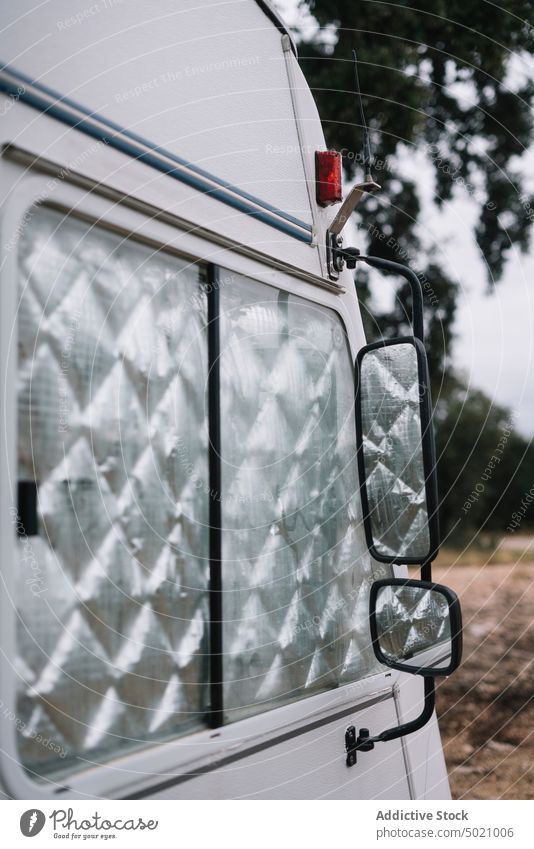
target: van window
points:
(113, 642)
(112, 591)
(296, 572)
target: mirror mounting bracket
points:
(354, 744)
(364, 743)
(334, 239)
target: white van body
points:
(155, 152)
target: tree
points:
(443, 80)
(486, 473)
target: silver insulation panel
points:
(112, 593)
(112, 600)
(395, 476)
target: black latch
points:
(354, 744)
(350, 745)
(27, 524)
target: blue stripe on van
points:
(52, 103)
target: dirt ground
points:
(486, 709)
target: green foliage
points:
(485, 468)
(438, 78)
(434, 77)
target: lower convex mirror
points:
(416, 626)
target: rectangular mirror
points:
(396, 456)
(416, 626)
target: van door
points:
(192, 579)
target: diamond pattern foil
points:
(412, 620)
(391, 425)
(296, 570)
(112, 593)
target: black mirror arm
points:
(415, 286)
(426, 570)
(364, 743)
(351, 256)
(414, 724)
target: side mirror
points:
(416, 626)
(396, 458)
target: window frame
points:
(203, 749)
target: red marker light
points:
(328, 183)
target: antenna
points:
(336, 257)
(368, 177)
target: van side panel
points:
(211, 88)
(311, 766)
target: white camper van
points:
(210, 487)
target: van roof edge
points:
(272, 13)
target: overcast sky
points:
(494, 342)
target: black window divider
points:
(215, 717)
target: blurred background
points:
(448, 91)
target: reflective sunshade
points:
(296, 573)
(112, 604)
(414, 626)
(393, 453)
